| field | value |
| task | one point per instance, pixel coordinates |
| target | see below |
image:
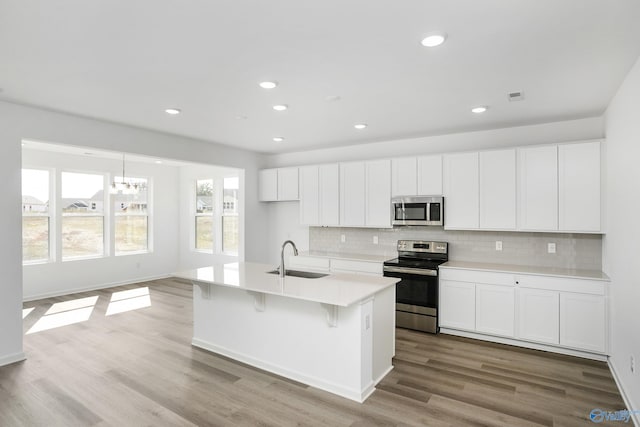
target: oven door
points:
(415, 292)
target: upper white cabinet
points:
(404, 176)
(378, 193)
(352, 194)
(498, 190)
(461, 191)
(430, 175)
(416, 176)
(365, 194)
(579, 186)
(538, 188)
(319, 186)
(278, 184)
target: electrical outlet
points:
(375, 240)
(343, 238)
(498, 245)
(551, 248)
(632, 365)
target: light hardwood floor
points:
(138, 368)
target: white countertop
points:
(525, 269)
(347, 256)
(340, 289)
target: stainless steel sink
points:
(298, 273)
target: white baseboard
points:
(93, 287)
(356, 395)
(12, 358)
(526, 344)
(635, 417)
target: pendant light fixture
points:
(123, 187)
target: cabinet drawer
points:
(593, 287)
(356, 266)
(474, 276)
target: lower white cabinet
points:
(538, 315)
(581, 321)
(555, 311)
(495, 309)
(457, 308)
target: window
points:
(131, 218)
(204, 215)
(35, 215)
(82, 215)
(230, 215)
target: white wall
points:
(59, 278)
(546, 133)
(621, 244)
(19, 122)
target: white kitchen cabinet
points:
(498, 190)
(583, 321)
(319, 195)
(461, 192)
(310, 195)
(430, 175)
(378, 193)
(416, 176)
(352, 194)
(495, 309)
(404, 176)
(278, 184)
(287, 183)
(329, 188)
(457, 307)
(579, 187)
(268, 185)
(538, 188)
(538, 315)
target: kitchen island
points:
(336, 333)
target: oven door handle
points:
(418, 271)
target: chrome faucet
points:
(295, 252)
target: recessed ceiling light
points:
(280, 107)
(332, 98)
(278, 139)
(158, 162)
(241, 117)
(434, 39)
(360, 126)
(172, 111)
(480, 109)
(268, 85)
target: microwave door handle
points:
(427, 206)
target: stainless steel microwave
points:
(417, 210)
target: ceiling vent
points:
(515, 96)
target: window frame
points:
(148, 215)
(51, 252)
(195, 215)
(105, 215)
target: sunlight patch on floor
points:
(65, 313)
(132, 299)
(27, 311)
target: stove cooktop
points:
(430, 264)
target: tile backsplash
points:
(580, 251)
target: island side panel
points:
(290, 337)
(384, 332)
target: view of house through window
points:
(82, 214)
(204, 214)
(35, 215)
(131, 218)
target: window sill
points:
(119, 254)
(81, 258)
(37, 262)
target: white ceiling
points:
(126, 61)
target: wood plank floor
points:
(138, 368)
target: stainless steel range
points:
(417, 292)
